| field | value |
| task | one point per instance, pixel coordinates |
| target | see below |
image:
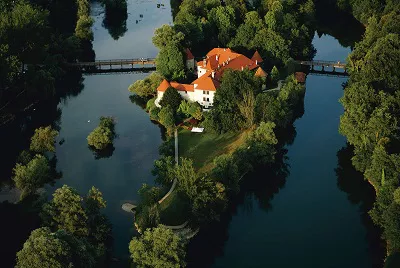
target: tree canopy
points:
(43, 140)
(30, 177)
(158, 247)
(103, 135)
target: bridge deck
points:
(334, 64)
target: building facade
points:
(209, 74)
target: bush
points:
(171, 98)
(103, 135)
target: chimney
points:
(242, 68)
(213, 74)
(216, 57)
(229, 59)
(204, 63)
(256, 62)
(224, 49)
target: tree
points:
(30, 177)
(187, 178)
(146, 87)
(43, 249)
(246, 107)
(223, 18)
(164, 170)
(189, 108)
(166, 117)
(171, 98)
(226, 115)
(103, 135)
(275, 75)
(227, 171)
(59, 249)
(158, 247)
(167, 35)
(260, 144)
(209, 201)
(43, 140)
(83, 28)
(66, 211)
(170, 62)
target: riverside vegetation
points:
(371, 118)
(283, 30)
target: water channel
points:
(310, 213)
(311, 221)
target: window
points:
(208, 92)
(208, 99)
(204, 98)
(204, 92)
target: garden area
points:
(204, 147)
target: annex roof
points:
(260, 72)
(164, 85)
(189, 55)
(206, 82)
(178, 86)
(182, 87)
(257, 57)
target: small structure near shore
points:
(128, 207)
(300, 77)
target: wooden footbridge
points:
(327, 68)
(115, 65)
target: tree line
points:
(372, 107)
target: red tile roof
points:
(257, 57)
(260, 72)
(164, 85)
(206, 82)
(189, 55)
(180, 87)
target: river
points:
(121, 175)
(312, 218)
(309, 212)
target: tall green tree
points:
(43, 140)
(66, 211)
(171, 62)
(158, 247)
(30, 177)
(59, 249)
(171, 98)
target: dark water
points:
(308, 214)
(119, 176)
(311, 221)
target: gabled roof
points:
(189, 55)
(182, 87)
(257, 57)
(260, 72)
(164, 85)
(206, 82)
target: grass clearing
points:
(204, 147)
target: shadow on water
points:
(261, 186)
(104, 153)
(361, 193)
(116, 14)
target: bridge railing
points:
(115, 62)
(321, 63)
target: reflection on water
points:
(361, 193)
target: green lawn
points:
(174, 210)
(204, 147)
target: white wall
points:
(200, 71)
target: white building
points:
(209, 72)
